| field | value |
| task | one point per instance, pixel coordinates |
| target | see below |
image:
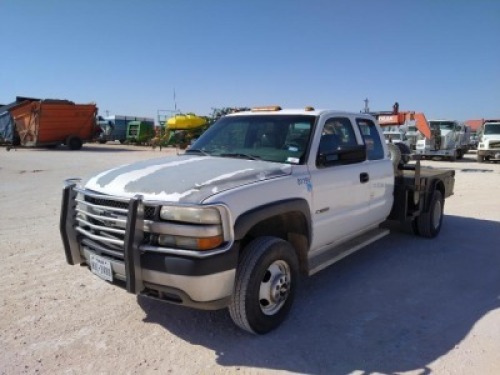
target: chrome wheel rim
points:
(436, 215)
(274, 287)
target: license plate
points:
(101, 267)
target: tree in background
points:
(217, 113)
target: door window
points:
(337, 133)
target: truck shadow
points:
(397, 305)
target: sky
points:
(139, 57)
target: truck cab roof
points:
(277, 110)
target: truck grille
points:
(494, 144)
(412, 139)
(101, 222)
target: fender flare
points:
(250, 218)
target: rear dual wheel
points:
(428, 224)
(266, 280)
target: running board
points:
(330, 256)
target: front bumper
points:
(204, 282)
(491, 153)
(426, 152)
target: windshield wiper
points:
(241, 155)
(196, 151)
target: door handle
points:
(364, 177)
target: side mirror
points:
(342, 156)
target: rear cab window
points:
(371, 137)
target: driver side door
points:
(341, 193)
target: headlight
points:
(196, 215)
(190, 227)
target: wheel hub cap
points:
(274, 287)
(436, 215)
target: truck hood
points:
(186, 178)
(491, 137)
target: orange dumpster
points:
(54, 122)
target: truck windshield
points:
(276, 138)
(442, 125)
(490, 129)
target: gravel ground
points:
(402, 305)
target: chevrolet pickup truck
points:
(261, 199)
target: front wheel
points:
(266, 280)
(428, 224)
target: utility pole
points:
(367, 109)
(175, 102)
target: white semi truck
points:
(488, 147)
(262, 197)
(449, 140)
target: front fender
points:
(246, 221)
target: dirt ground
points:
(402, 305)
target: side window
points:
(337, 132)
(374, 148)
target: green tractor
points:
(140, 132)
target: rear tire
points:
(74, 143)
(395, 154)
(405, 153)
(266, 280)
(428, 224)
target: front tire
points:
(429, 223)
(265, 285)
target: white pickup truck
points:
(260, 198)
